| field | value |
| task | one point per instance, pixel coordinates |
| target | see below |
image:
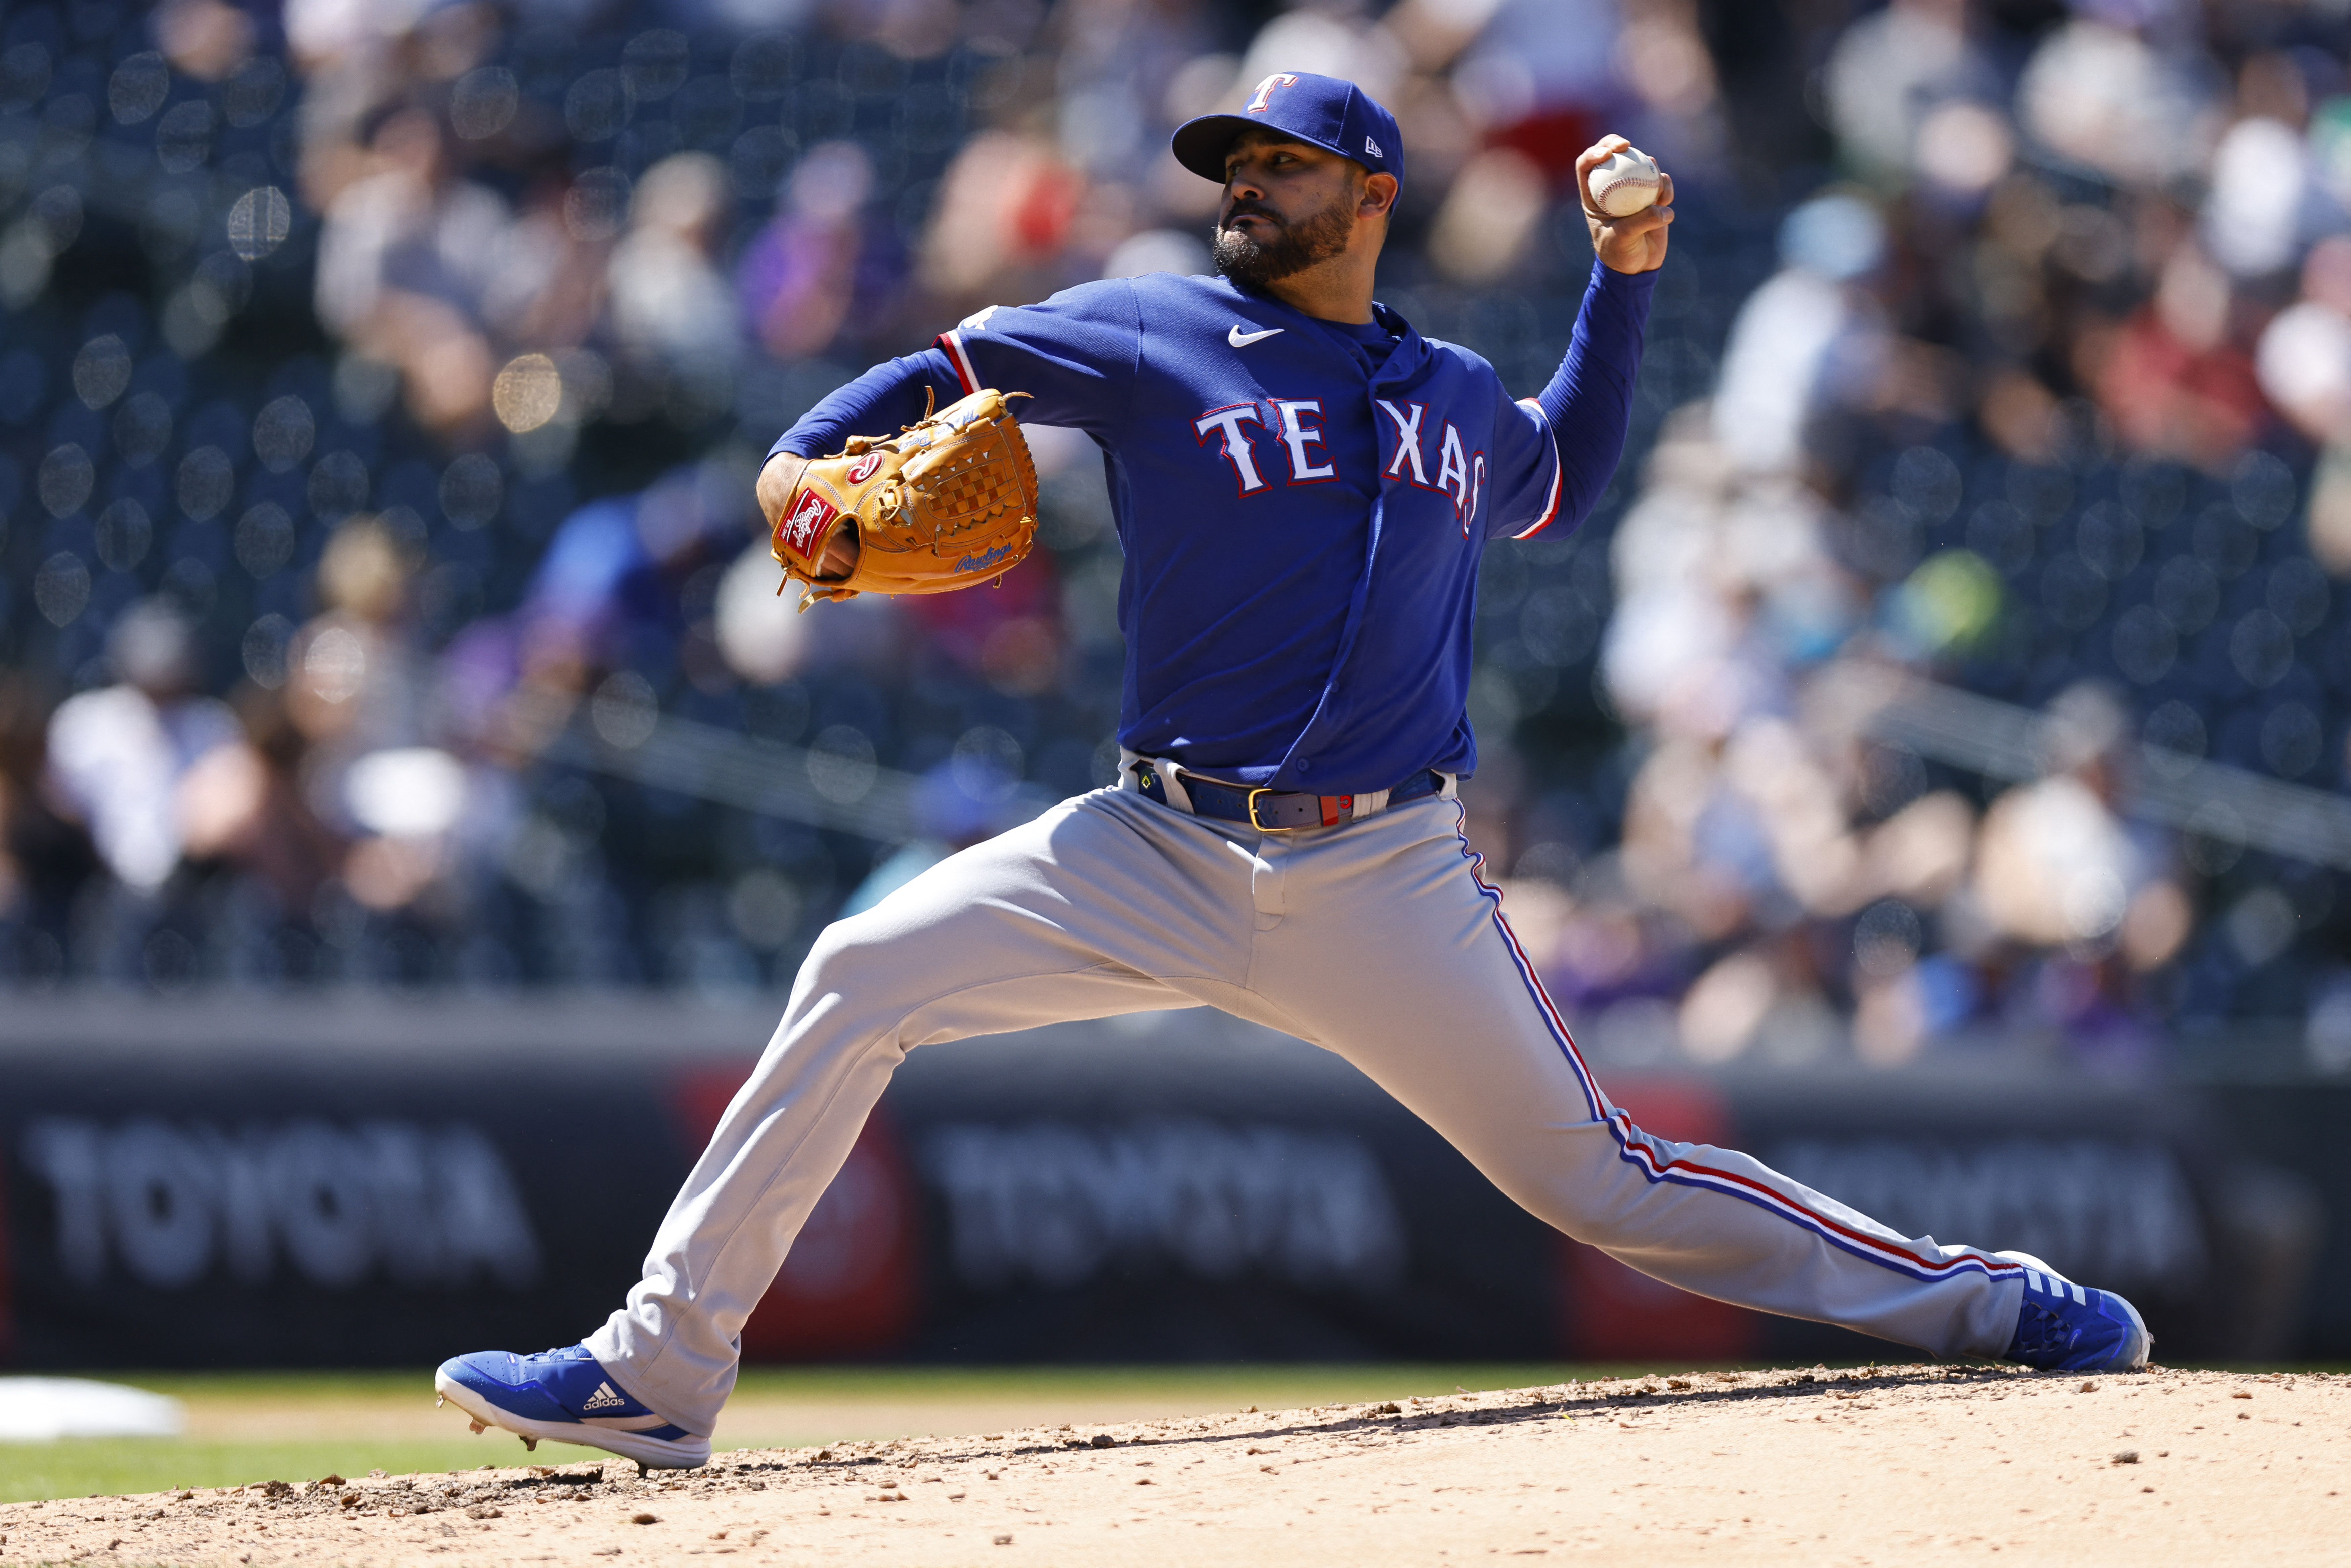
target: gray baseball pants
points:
(1378, 940)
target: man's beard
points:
(1253, 264)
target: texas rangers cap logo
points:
(1262, 99)
(1322, 112)
(809, 522)
(862, 469)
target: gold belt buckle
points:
(1268, 827)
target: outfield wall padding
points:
(372, 1180)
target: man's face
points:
(1287, 207)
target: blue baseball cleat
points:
(2066, 1327)
(565, 1395)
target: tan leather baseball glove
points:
(941, 506)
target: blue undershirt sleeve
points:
(1589, 402)
(889, 396)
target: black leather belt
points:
(1275, 811)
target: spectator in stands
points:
(405, 255)
(799, 276)
(673, 312)
(44, 859)
(119, 756)
(2010, 375)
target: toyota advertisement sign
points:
(386, 1181)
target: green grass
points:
(85, 1466)
(337, 1411)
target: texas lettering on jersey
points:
(1298, 423)
(1302, 505)
(1460, 473)
(1294, 426)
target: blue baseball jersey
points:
(1303, 507)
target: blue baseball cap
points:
(1323, 111)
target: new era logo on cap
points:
(1373, 148)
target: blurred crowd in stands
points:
(383, 601)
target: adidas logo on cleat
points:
(603, 1399)
(2051, 1285)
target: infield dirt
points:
(1894, 1464)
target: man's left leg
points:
(1391, 952)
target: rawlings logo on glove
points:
(940, 506)
(810, 521)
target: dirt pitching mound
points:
(1894, 1464)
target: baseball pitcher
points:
(1303, 486)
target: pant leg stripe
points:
(1684, 1172)
(1598, 1102)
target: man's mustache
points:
(1250, 210)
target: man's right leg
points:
(1107, 904)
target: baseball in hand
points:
(1625, 184)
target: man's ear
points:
(1379, 196)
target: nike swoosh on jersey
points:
(1240, 340)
